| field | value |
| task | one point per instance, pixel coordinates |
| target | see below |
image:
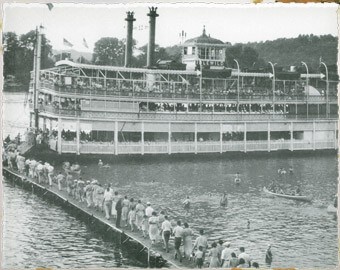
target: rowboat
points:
(292, 197)
(331, 209)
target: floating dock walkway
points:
(154, 256)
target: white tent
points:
(312, 91)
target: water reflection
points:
(40, 234)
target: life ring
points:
(237, 181)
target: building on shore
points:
(205, 108)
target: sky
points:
(229, 23)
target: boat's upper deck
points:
(73, 88)
(106, 81)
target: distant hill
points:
(74, 54)
(291, 51)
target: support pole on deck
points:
(245, 137)
(44, 124)
(142, 138)
(78, 136)
(195, 138)
(268, 136)
(59, 134)
(335, 140)
(116, 138)
(313, 134)
(291, 136)
(221, 138)
(169, 139)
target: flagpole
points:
(37, 78)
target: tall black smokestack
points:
(128, 48)
(152, 31)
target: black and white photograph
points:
(178, 136)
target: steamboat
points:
(200, 107)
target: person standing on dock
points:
(187, 240)
(125, 210)
(39, 171)
(69, 183)
(226, 255)
(60, 179)
(132, 218)
(50, 171)
(148, 210)
(140, 211)
(153, 227)
(115, 199)
(214, 256)
(119, 207)
(178, 233)
(107, 200)
(201, 241)
(88, 193)
(199, 257)
(166, 231)
(245, 256)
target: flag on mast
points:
(50, 6)
(67, 43)
(85, 43)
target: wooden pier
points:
(153, 255)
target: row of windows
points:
(205, 53)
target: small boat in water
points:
(292, 197)
(332, 209)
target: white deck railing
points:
(192, 147)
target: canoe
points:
(292, 197)
(331, 209)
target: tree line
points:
(19, 52)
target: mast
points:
(37, 62)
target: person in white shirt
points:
(226, 255)
(178, 233)
(201, 241)
(107, 201)
(148, 210)
(244, 256)
(166, 231)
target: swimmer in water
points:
(224, 200)
(291, 170)
(186, 204)
(237, 179)
(100, 163)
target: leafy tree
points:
(19, 55)
(11, 44)
(291, 51)
(108, 51)
(245, 55)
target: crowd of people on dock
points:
(132, 214)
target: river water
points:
(38, 233)
(302, 235)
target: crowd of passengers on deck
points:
(75, 104)
(210, 90)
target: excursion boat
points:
(201, 105)
(292, 197)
